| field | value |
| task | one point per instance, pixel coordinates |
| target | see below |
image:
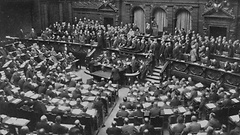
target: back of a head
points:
(180, 119)
(114, 124)
(146, 132)
(194, 118)
(24, 130)
(146, 120)
(126, 121)
(41, 132)
(58, 119)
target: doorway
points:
(107, 21)
(218, 31)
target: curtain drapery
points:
(184, 20)
(139, 19)
(161, 19)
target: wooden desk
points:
(203, 73)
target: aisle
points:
(122, 93)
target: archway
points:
(183, 20)
(139, 19)
(160, 17)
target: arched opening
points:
(139, 18)
(160, 18)
(183, 20)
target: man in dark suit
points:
(56, 110)
(147, 126)
(175, 102)
(155, 110)
(114, 130)
(39, 107)
(77, 129)
(193, 127)
(126, 103)
(115, 75)
(134, 64)
(43, 124)
(137, 113)
(179, 127)
(101, 83)
(128, 129)
(57, 128)
(122, 112)
(213, 122)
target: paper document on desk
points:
(199, 85)
(167, 111)
(35, 96)
(76, 111)
(29, 94)
(161, 104)
(146, 105)
(163, 98)
(234, 118)
(55, 100)
(92, 112)
(63, 108)
(94, 92)
(210, 105)
(11, 120)
(21, 122)
(9, 98)
(197, 99)
(203, 123)
(16, 101)
(181, 109)
(85, 104)
(73, 103)
(235, 100)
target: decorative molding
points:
(217, 5)
(177, 7)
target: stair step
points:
(156, 73)
(153, 77)
(156, 70)
(153, 81)
(159, 67)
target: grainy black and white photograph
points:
(119, 67)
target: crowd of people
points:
(47, 73)
(182, 45)
(140, 94)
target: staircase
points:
(156, 76)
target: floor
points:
(122, 93)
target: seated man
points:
(213, 122)
(193, 127)
(147, 126)
(137, 113)
(126, 103)
(155, 110)
(77, 129)
(128, 129)
(114, 130)
(57, 128)
(179, 127)
(122, 112)
(43, 124)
